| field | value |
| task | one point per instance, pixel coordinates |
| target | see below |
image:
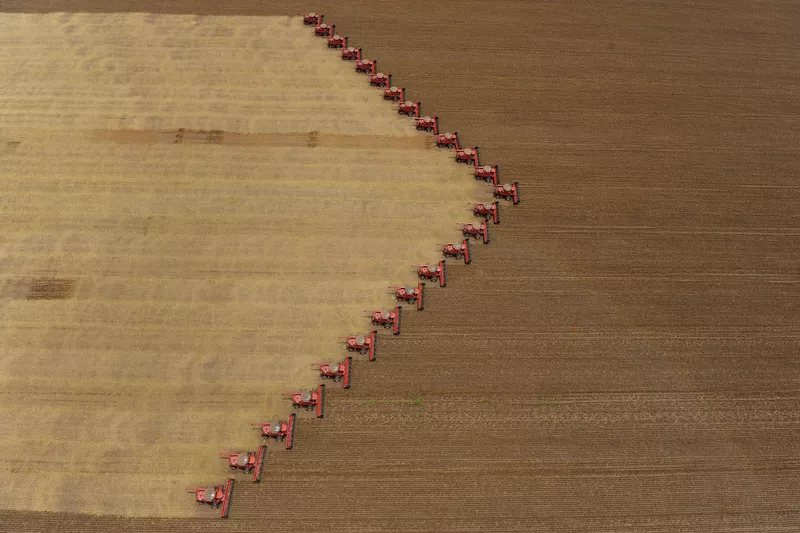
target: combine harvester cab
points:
(337, 41)
(364, 344)
(488, 174)
(458, 251)
(323, 30)
(281, 431)
(218, 497)
(308, 400)
(311, 19)
(394, 94)
(388, 319)
(366, 66)
(248, 462)
(467, 155)
(482, 231)
(410, 294)
(410, 109)
(448, 140)
(351, 54)
(336, 371)
(429, 124)
(439, 272)
(380, 80)
(487, 211)
(508, 191)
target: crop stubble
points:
(194, 210)
(627, 360)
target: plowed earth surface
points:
(624, 356)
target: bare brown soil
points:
(623, 357)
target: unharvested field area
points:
(159, 291)
(627, 360)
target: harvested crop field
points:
(624, 356)
(188, 226)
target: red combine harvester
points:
(219, 496)
(482, 231)
(439, 272)
(248, 462)
(366, 66)
(428, 124)
(459, 251)
(448, 140)
(487, 210)
(508, 191)
(388, 319)
(487, 174)
(337, 41)
(336, 371)
(380, 80)
(394, 94)
(280, 430)
(323, 30)
(410, 294)
(310, 19)
(309, 400)
(467, 155)
(364, 344)
(351, 54)
(410, 109)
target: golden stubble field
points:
(155, 296)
